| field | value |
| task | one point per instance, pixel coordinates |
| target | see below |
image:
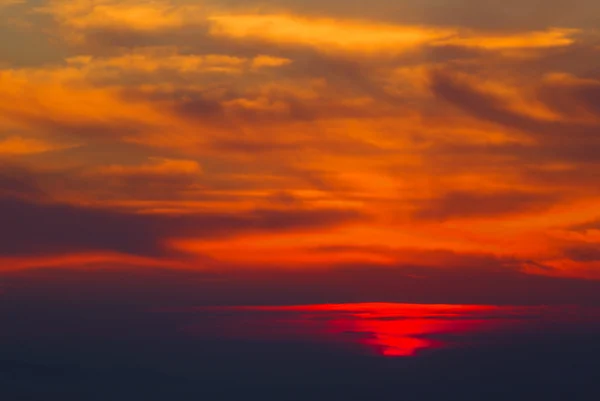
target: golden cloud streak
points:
(345, 35)
(157, 166)
(526, 40)
(16, 145)
(324, 33)
(132, 14)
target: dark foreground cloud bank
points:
(103, 335)
(275, 372)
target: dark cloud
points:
(18, 182)
(32, 228)
(452, 53)
(283, 106)
(493, 15)
(28, 227)
(573, 179)
(199, 107)
(432, 257)
(146, 187)
(584, 253)
(108, 39)
(572, 98)
(486, 106)
(519, 368)
(472, 204)
(253, 147)
(92, 129)
(513, 14)
(590, 225)
(491, 282)
(353, 74)
(556, 140)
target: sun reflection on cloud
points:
(385, 329)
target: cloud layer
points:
(314, 135)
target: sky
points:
(228, 153)
(448, 136)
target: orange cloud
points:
(16, 145)
(338, 35)
(152, 60)
(324, 33)
(553, 37)
(132, 14)
(157, 59)
(159, 166)
(269, 61)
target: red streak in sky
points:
(401, 329)
(387, 329)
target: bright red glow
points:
(383, 328)
(401, 329)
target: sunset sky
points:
(301, 135)
(329, 164)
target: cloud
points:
(269, 61)
(549, 135)
(584, 253)
(16, 145)
(156, 167)
(590, 225)
(454, 135)
(169, 63)
(526, 40)
(19, 182)
(484, 205)
(31, 228)
(67, 107)
(82, 22)
(227, 284)
(385, 329)
(158, 178)
(323, 33)
(154, 60)
(331, 35)
(131, 14)
(8, 3)
(571, 95)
